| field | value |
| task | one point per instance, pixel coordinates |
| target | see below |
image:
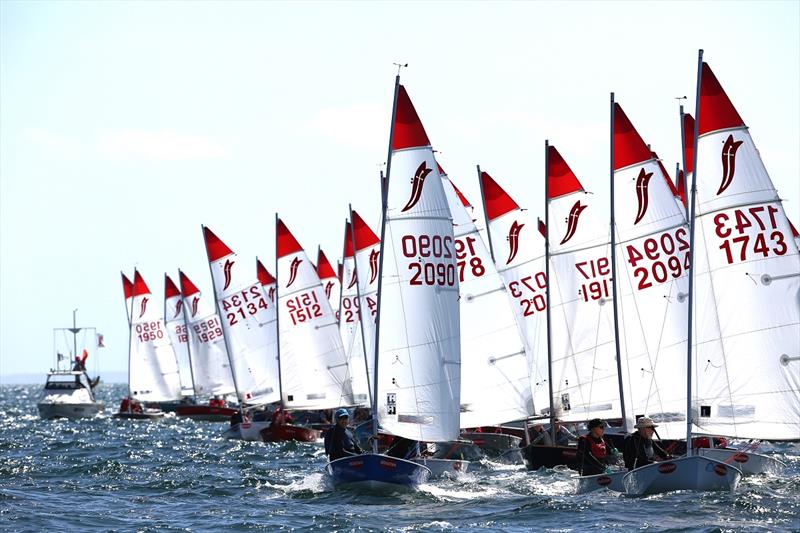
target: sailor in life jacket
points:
(595, 452)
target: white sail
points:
(245, 324)
(350, 325)
(210, 362)
(495, 386)
(176, 329)
(152, 367)
(418, 355)
(367, 257)
(747, 284)
(518, 245)
(653, 284)
(585, 378)
(314, 372)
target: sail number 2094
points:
(433, 255)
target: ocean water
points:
(104, 474)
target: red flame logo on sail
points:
(572, 220)
(352, 279)
(642, 183)
(293, 270)
(728, 162)
(178, 307)
(416, 185)
(144, 306)
(373, 265)
(272, 293)
(227, 270)
(195, 301)
(328, 289)
(513, 240)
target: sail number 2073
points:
(433, 255)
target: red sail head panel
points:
(215, 248)
(287, 244)
(408, 129)
(560, 178)
(497, 202)
(629, 148)
(716, 109)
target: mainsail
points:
(244, 311)
(418, 354)
(312, 361)
(176, 329)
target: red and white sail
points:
(585, 383)
(652, 239)
(244, 311)
(152, 366)
(127, 291)
(314, 373)
(350, 325)
(519, 256)
(176, 329)
(747, 318)
(495, 385)
(210, 362)
(367, 257)
(268, 284)
(418, 355)
(330, 281)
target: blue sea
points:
(105, 474)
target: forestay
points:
(350, 325)
(495, 386)
(418, 354)
(519, 255)
(313, 364)
(176, 329)
(585, 383)
(244, 311)
(747, 284)
(210, 362)
(152, 367)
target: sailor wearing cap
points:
(339, 441)
(640, 448)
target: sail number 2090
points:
(433, 254)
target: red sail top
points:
(408, 130)
(139, 286)
(688, 142)
(187, 287)
(263, 274)
(170, 289)
(461, 196)
(629, 148)
(127, 286)
(681, 187)
(215, 248)
(795, 233)
(560, 178)
(287, 244)
(324, 268)
(364, 236)
(542, 227)
(496, 201)
(348, 240)
(716, 110)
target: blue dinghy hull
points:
(377, 472)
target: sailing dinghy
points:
(176, 329)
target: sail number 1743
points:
(738, 244)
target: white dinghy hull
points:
(748, 462)
(250, 431)
(610, 481)
(685, 473)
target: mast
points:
(278, 312)
(74, 331)
(224, 337)
(614, 275)
(188, 343)
(547, 285)
(486, 218)
(358, 295)
(130, 328)
(385, 183)
(689, 367)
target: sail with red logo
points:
(519, 255)
(747, 353)
(152, 366)
(314, 372)
(418, 355)
(350, 325)
(585, 383)
(495, 385)
(243, 309)
(210, 362)
(329, 280)
(652, 240)
(176, 329)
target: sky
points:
(124, 126)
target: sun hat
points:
(645, 422)
(342, 413)
(595, 423)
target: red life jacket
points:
(598, 449)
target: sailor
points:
(640, 448)
(281, 417)
(595, 452)
(339, 441)
(79, 365)
(563, 435)
(540, 437)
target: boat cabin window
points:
(71, 381)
